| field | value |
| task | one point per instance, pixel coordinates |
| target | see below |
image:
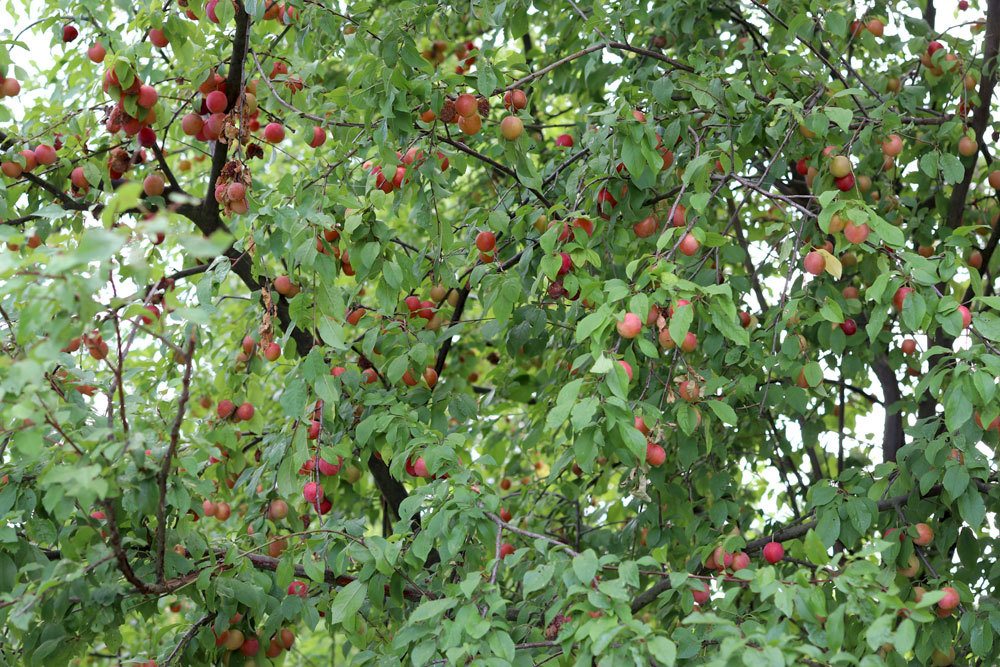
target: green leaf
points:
(987, 324)
(470, 584)
(875, 324)
(905, 636)
(981, 638)
(564, 404)
(826, 198)
(828, 526)
(840, 116)
(585, 566)
(835, 629)
(958, 408)
(724, 412)
(971, 507)
(727, 321)
(432, 610)
(879, 632)
(831, 311)
(629, 574)
(680, 323)
(502, 646)
(584, 411)
(859, 514)
(700, 201)
(487, 79)
(294, 397)
(929, 163)
(538, 578)
(332, 333)
(97, 245)
(892, 235)
(348, 601)
(814, 373)
(814, 549)
(956, 481)
(741, 89)
(877, 289)
(633, 158)
(589, 324)
(662, 650)
(822, 493)
(951, 168)
(125, 197)
(969, 551)
(205, 247)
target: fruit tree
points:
(511, 332)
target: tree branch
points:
(116, 546)
(956, 204)
(618, 46)
(206, 218)
(161, 478)
(319, 120)
(892, 438)
(165, 168)
(857, 390)
(188, 636)
(262, 562)
(981, 114)
(463, 297)
(791, 533)
(209, 210)
(493, 163)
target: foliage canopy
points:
(502, 333)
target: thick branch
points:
(892, 438)
(456, 317)
(114, 536)
(209, 211)
(981, 114)
(463, 296)
(391, 489)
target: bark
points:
(892, 438)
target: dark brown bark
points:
(892, 438)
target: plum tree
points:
(423, 333)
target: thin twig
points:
(187, 637)
(161, 479)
